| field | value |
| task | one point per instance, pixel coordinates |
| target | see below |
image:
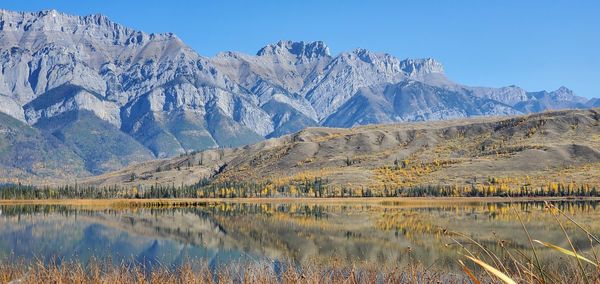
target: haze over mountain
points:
(108, 96)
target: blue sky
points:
(534, 44)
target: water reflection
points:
(382, 234)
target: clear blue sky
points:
(533, 44)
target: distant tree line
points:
(316, 187)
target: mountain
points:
(59, 71)
(563, 98)
(593, 103)
(411, 101)
(26, 152)
(99, 144)
(517, 150)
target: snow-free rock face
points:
(158, 91)
(412, 101)
(562, 98)
(301, 50)
(133, 80)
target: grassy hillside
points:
(550, 150)
(100, 144)
(25, 152)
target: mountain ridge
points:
(172, 100)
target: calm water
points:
(370, 234)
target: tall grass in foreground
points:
(518, 266)
(202, 272)
(479, 263)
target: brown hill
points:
(559, 146)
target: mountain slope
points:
(411, 101)
(26, 152)
(100, 144)
(520, 150)
(171, 100)
(127, 71)
(562, 98)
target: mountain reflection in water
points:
(382, 234)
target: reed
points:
(202, 272)
(474, 270)
(519, 267)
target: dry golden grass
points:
(268, 272)
(201, 272)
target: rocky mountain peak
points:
(564, 90)
(565, 94)
(416, 67)
(411, 67)
(369, 56)
(299, 49)
(50, 20)
(57, 69)
(561, 94)
(55, 25)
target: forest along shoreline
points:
(178, 202)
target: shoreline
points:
(310, 200)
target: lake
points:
(370, 234)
